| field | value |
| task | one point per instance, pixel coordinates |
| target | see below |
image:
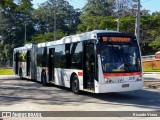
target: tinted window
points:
(44, 59)
(60, 56)
(76, 56)
(41, 57)
(68, 55)
(120, 58)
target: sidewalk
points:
(151, 73)
(151, 76)
(152, 80)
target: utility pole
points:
(25, 34)
(137, 27)
(55, 7)
(118, 23)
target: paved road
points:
(23, 95)
(153, 76)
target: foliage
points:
(97, 22)
(156, 44)
(98, 8)
(124, 7)
(67, 18)
(13, 17)
(39, 38)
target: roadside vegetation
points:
(151, 70)
(6, 72)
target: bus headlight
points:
(108, 80)
(139, 78)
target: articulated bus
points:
(99, 61)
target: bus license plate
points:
(125, 85)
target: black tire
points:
(20, 74)
(75, 85)
(43, 79)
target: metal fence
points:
(148, 57)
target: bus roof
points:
(84, 36)
(26, 47)
(70, 39)
(76, 38)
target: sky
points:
(152, 5)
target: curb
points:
(151, 72)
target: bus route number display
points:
(116, 39)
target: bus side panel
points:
(62, 77)
(38, 74)
(14, 62)
(117, 87)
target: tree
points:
(155, 30)
(12, 30)
(98, 8)
(67, 17)
(156, 44)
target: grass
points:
(151, 70)
(6, 72)
(10, 71)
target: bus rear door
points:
(28, 63)
(16, 56)
(51, 64)
(89, 65)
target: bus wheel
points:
(75, 85)
(20, 74)
(43, 78)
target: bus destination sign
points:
(116, 39)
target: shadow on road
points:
(14, 91)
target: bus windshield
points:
(120, 58)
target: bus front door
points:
(28, 63)
(89, 66)
(51, 64)
(16, 63)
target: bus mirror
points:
(134, 58)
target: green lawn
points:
(6, 72)
(151, 70)
(10, 71)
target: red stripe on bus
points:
(121, 74)
(80, 73)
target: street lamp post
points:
(25, 32)
(137, 26)
(55, 20)
(118, 23)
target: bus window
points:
(59, 56)
(76, 56)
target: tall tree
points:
(98, 8)
(12, 26)
(67, 18)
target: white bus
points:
(99, 61)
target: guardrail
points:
(148, 57)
